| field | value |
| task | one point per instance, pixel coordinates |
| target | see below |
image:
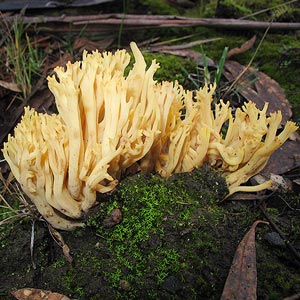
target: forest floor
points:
(177, 238)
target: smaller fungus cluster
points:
(108, 122)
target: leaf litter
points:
(37, 294)
(241, 282)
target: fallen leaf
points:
(283, 159)
(60, 241)
(259, 88)
(5, 182)
(37, 294)
(297, 181)
(278, 182)
(86, 44)
(12, 86)
(61, 61)
(242, 278)
(184, 50)
(42, 100)
(245, 47)
(294, 297)
(114, 218)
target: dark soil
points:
(176, 241)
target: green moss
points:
(265, 10)
(4, 233)
(204, 9)
(8, 215)
(271, 275)
(278, 57)
(155, 7)
(145, 206)
(286, 70)
(236, 8)
(148, 243)
(171, 228)
(171, 67)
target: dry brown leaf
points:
(242, 278)
(294, 297)
(245, 47)
(259, 88)
(86, 44)
(60, 241)
(297, 181)
(37, 294)
(6, 182)
(61, 61)
(284, 159)
(42, 100)
(12, 86)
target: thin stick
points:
(134, 22)
(276, 228)
(249, 64)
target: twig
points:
(32, 245)
(249, 64)
(282, 235)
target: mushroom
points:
(249, 142)
(37, 158)
(108, 122)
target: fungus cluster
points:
(108, 122)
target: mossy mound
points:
(175, 241)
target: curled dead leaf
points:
(12, 86)
(245, 47)
(83, 43)
(60, 241)
(114, 218)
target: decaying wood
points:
(103, 22)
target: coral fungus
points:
(107, 122)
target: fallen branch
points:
(134, 22)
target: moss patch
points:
(175, 242)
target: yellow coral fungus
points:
(108, 122)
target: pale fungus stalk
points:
(108, 123)
(38, 162)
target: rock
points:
(114, 218)
(124, 284)
(274, 239)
